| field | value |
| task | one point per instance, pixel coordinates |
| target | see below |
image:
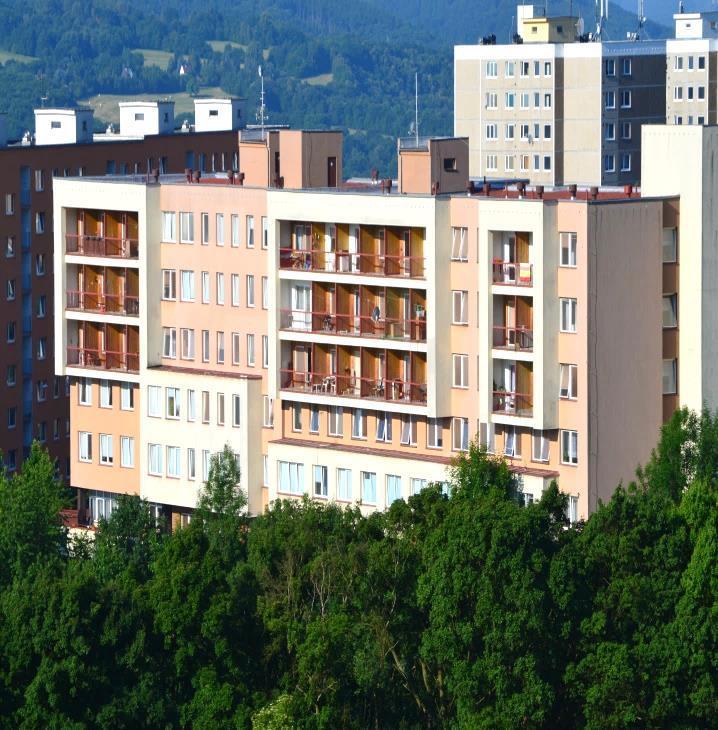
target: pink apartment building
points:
(348, 339)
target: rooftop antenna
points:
(416, 107)
(641, 17)
(601, 12)
(43, 89)
(262, 111)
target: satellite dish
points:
(580, 26)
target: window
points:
(268, 411)
(250, 231)
(9, 203)
(344, 485)
(510, 99)
(191, 464)
(459, 244)
(11, 375)
(187, 227)
(265, 351)
(10, 247)
(220, 348)
(250, 290)
(368, 487)
(291, 477)
(191, 405)
(609, 163)
(610, 99)
(296, 417)
(205, 228)
(220, 287)
(537, 99)
(487, 434)
(85, 447)
(84, 392)
(219, 228)
(626, 67)
(492, 69)
(461, 371)
(701, 62)
(626, 99)
(235, 348)
(435, 433)
(41, 309)
(206, 457)
(321, 482)
(547, 68)
(10, 289)
(610, 131)
(459, 434)
(460, 307)
(509, 69)
(106, 449)
(510, 131)
(670, 245)
(383, 427)
(169, 284)
(568, 315)
(205, 287)
(492, 102)
(11, 417)
(408, 430)
(689, 89)
(547, 131)
(539, 450)
(547, 101)
(154, 462)
(265, 292)
(205, 406)
(626, 162)
(41, 391)
(670, 377)
(250, 350)
(11, 331)
(393, 488)
(626, 130)
(173, 462)
(313, 419)
(678, 63)
(187, 344)
(265, 232)
(235, 229)
(512, 442)
(105, 394)
(525, 99)
(235, 290)
(670, 311)
(547, 162)
(154, 401)
(677, 93)
(358, 424)
(187, 286)
(492, 131)
(169, 340)
(537, 162)
(524, 65)
(172, 401)
(205, 345)
(169, 227)
(701, 92)
(569, 242)
(569, 447)
(509, 163)
(39, 180)
(42, 348)
(220, 409)
(492, 162)
(336, 421)
(568, 381)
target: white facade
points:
(63, 126)
(141, 118)
(218, 115)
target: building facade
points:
(34, 401)
(349, 340)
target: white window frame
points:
(568, 249)
(568, 381)
(568, 308)
(459, 370)
(169, 226)
(569, 447)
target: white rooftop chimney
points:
(63, 126)
(142, 118)
(219, 115)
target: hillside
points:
(326, 64)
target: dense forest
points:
(452, 610)
(365, 52)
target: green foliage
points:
(451, 610)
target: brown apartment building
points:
(34, 401)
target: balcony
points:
(518, 339)
(511, 273)
(93, 301)
(510, 403)
(86, 357)
(352, 386)
(346, 262)
(102, 246)
(387, 328)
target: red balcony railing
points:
(345, 262)
(354, 386)
(514, 338)
(125, 248)
(87, 357)
(89, 301)
(512, 273)
(355, 325)
(512, 403)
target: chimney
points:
(572, 189)
(593, 192)
(539, 191)
(521, 187)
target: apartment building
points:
(553, 110)
(348, 339)
(34, 401)
(691, 63)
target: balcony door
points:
(330, 246)
(301, 307)
(354, 247)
